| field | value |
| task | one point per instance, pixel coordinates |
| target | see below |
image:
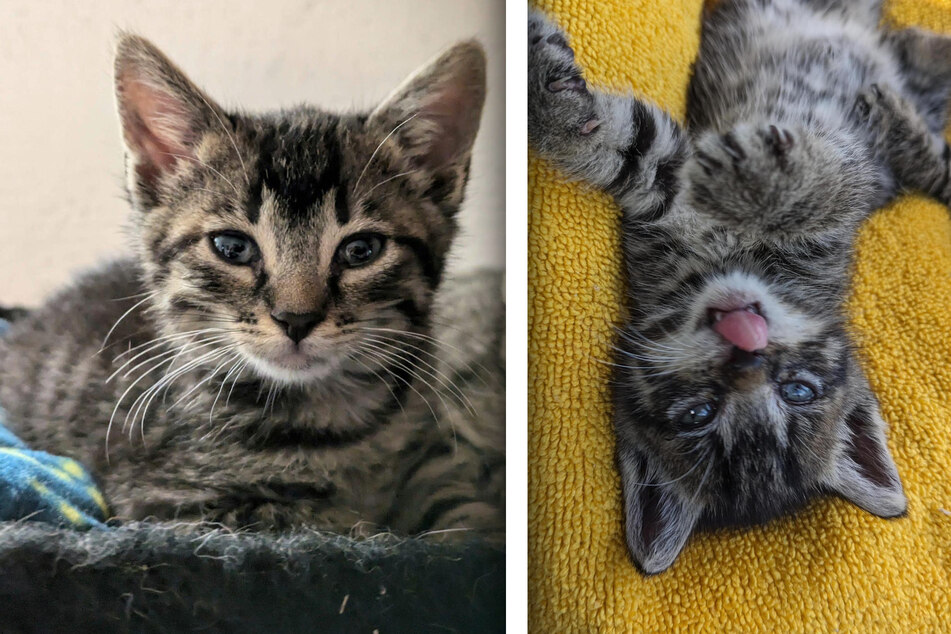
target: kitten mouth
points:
(743, 326)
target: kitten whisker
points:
(381, 379)
(650, 343)
(236, 361)
(392, 178)
(703, 480)
(657, 361)
(200, 162)
(411, 369)
(210, 376)
(677, 479)
(440, 344)
(145, 399)
(166, 338)
(234, 382)
(203, 342)
(383, 362)
(234, 144)
(434, 372)
(356, 187)
(137, 295)
(124, 315)
(126, 392)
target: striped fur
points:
(803, 117)
(201, 404)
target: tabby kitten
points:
(738, 393)
(277, 354)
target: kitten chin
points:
(295, 368)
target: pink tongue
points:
(745, 330)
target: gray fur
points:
(170, 374)
(803, 118)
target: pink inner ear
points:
(155, 127)
(449, 111)
(866, 451)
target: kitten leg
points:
(923, 51)
(868, 11)
(623, 146)
(925, 58)
(918, 156)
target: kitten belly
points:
(804, 67)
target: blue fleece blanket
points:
(35, 485)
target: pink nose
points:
(744, 329)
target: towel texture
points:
(831, 567)
(35, 485)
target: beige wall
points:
(61, 195)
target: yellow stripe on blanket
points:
(829, 568)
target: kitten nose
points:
(297, 325)
(744, 361)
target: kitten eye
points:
(359, 250)
(797, 393)
(234, 248)
(699, 414)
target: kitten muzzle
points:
(744, 327)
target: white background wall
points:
(61, 193)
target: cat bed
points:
(831, 567)
(155, 577)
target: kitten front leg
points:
(623, 146)
(918, 157)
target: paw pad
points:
(590, 126)
(568, 83)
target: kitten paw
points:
(882, 110)
(559, 102)
(746, 149)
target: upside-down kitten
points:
(282, 351)
(738, 393)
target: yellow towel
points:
(829, 568)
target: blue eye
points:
(234, 248)
(359, 250)
(699, 414)
(797, 393)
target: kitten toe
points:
(708, 163)
(863, 106)
(559, 40)
(779, 140)
(732, 147)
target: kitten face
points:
(737, 424)
(297, 240)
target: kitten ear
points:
(864, 472)
(163, 114)
(435, 112)
(658, 518)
